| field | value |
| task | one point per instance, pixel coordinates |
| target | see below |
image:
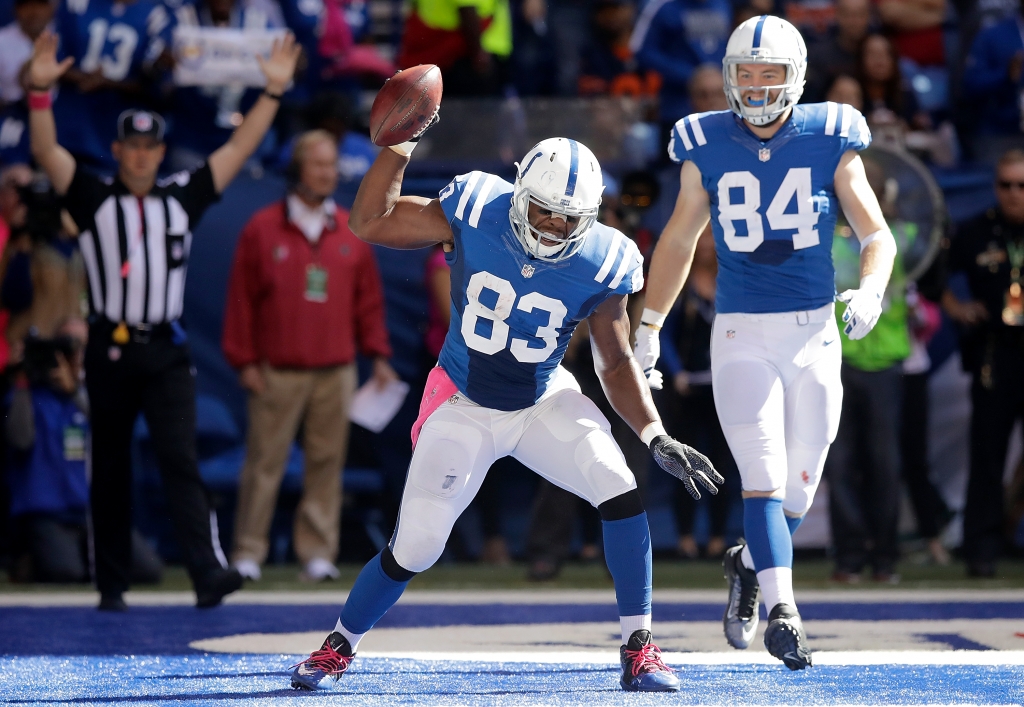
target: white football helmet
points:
(765, 40)
(561, 176)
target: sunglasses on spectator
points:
(1006, 184)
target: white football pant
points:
(776, 380)
(564, 438)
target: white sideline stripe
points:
(730, 658)
(847, 119)
(830, 118)
(515, 597)
(481, 200)
(606, 266)
(466, 193)
(698, 131)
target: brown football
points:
(405, 104)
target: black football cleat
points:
(741, 613)
(332, 660)
(785, 638)
(642, 667)
(216, 585)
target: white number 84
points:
(797, 183)
(497, 315)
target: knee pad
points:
(806, 464)
(604, 467)
(423, 529)
(444, 458)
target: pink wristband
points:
(39, 100)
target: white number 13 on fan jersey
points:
(497, 315)
(796, 184)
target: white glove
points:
(648, 347)
(863, 306)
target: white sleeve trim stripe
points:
(847, 119)
(698, 132)
(830, 118)
(627, 258)
(606, 266)
(481, 200)
(466, 193)
(681, 129)
(643, 24)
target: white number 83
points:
(498, 339)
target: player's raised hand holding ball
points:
(405, 107)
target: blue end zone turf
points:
(246, 680)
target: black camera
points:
(41, 356)
(42, 210)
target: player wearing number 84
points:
(770, 175)
(528, 264)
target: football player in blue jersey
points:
(528, 263)
(770, 175)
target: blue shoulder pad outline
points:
(622, 269)
(465, 196)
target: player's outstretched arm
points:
(627, 391)
(43, 72)
(381, 215)
(670, 266)
(877, 246)
(278, 69)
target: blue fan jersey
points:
(773, 202)
(512, 314)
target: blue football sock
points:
(793, 523)
(767, 533)
(627, 550)
(373, 594)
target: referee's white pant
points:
(778, 391)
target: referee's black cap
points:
(140, 122)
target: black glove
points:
(686, 464)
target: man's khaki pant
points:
(319, 398)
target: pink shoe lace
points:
(647, 660)
(328, 660)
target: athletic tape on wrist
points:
(405, 148)
(653, 319)
(653, 429)
(39, 100)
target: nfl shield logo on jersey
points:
(764, 154)
(527, 270)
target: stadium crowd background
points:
(940, 79)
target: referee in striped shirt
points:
(135, 233)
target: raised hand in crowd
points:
(43, 69)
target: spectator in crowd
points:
(863, 464)
(44, 277)
(707, 89)
(303, 299)
(836, 53)
(607, 64)
(916, 28)
(470, 40)
(887, 99)
(31, 18)
(46, 429)
(533, 64)
(846, 89)
(674, 37)
(686, 355)
(203, 117)
(812, 17)
(986, 262)
(137, 358)
(115, 47)
(992, 82)
(930, 509)
(332, 111)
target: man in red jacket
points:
(303, 297)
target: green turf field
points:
(808, 574)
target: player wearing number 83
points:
(528, 264)
(770, 174)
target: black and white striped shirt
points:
(136, 249)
